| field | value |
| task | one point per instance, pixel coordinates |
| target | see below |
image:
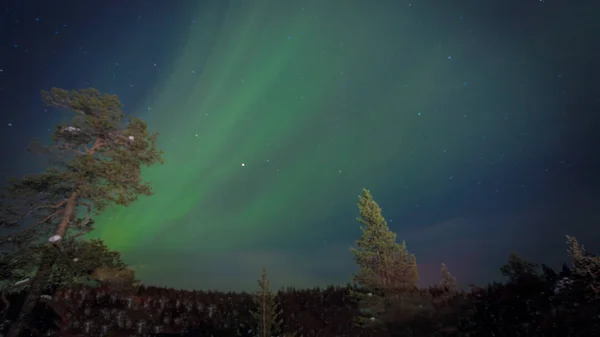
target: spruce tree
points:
(97, 159)
(413, 271)
(585, 266)
(446, 288)
(265, 313)
(447, 281)
(386, 271)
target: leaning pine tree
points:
(265, 312)
(97, 162)
(385, 268)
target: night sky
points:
(474, 123)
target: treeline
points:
(55, 283)
(535, 301)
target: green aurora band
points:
(317, 101)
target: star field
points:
(473, 124)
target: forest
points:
(56, 282)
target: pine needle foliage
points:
(265, 313)
(387, 273)
(96, 161)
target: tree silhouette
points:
(96, 162)
(585, 265)
(518, 269)
(387, 272)
(265, 312)
(447, 281)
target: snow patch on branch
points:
(55, 238)
(71, 129)
(22, 281)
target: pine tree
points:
(413, 271)
(96, 163)
(585, 265)
(75, 267)
(265, 313)
(519, 270)
(447, 281)
(386, 271)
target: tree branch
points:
(5, 300)
(48, 218)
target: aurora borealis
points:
(469, 122)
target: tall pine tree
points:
(97, 159)
(386, 270)
(265, 313)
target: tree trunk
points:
(43, 274)
(41, 278)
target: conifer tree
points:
(265, 313)
(76, 266)
(413, 271)
(518, 269)
(445, 290)
(585, 265)
(385, 268)
(96, 163)
(447, 281)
